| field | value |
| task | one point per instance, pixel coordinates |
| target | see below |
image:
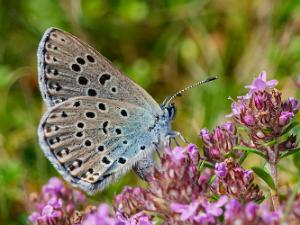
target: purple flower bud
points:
(221, 169)
(285, 118)
(248, 176)
(259, 100)
(237, 107)
(229, 127)
(248, 119)
(193, 152)
(214, 152)
(204, 134)
(291, 105)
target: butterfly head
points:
(169, 111)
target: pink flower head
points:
(101, 216)
(54, 187)
(261, 83)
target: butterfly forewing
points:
(69, 68)
(92, 141)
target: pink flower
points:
(101, 216)
(261, 83)
(186, 211)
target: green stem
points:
(273, 153)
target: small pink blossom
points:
(261, 83)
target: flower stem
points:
(272, 153)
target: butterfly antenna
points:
(179, 93)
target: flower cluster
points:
(236, 182)
(220, 142)
(250, 214)
(188, 188)
(56, 204)
(264, 113)
(173, 190)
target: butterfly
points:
(99, 123)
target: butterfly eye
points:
(171, 111)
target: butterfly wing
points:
(69, 68)
(92, 141)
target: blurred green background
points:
(162, 45)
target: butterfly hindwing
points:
(70, 68)
(92, 141)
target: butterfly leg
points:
(172, 136)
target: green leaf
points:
(244, 156)
(250, 150)
(260, 200)
(290, 152)
(290, 127)
(209, 165)
(264, 176)
(296, 160)
(201, 166)
(270, 143)
(212, 179)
